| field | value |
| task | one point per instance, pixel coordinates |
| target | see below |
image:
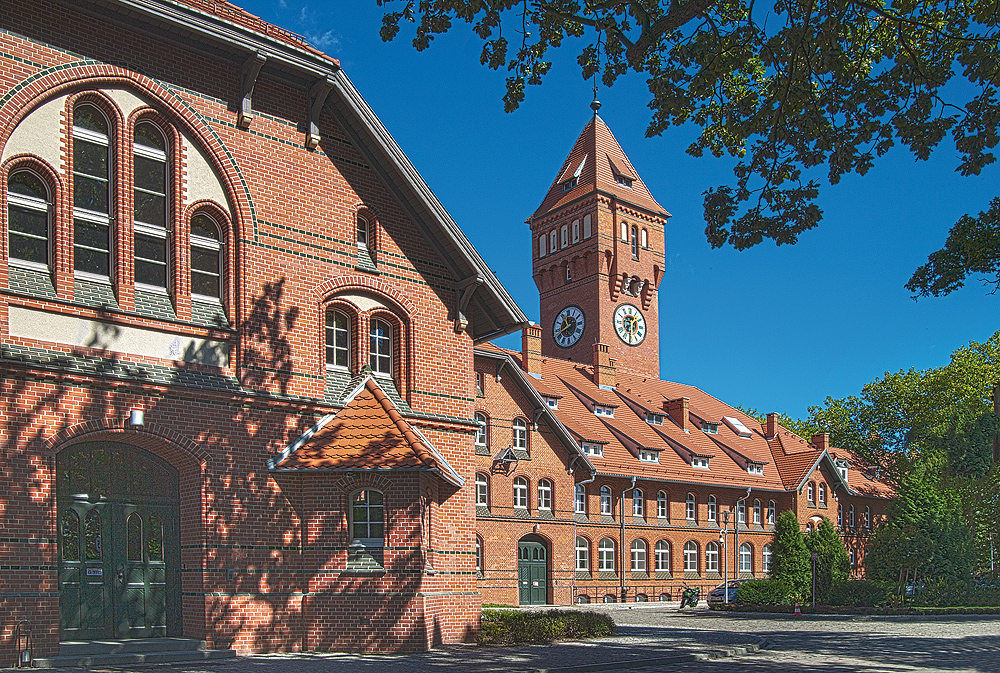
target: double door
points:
(532, 574)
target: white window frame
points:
(482, 490)
(216, 246)
(330, 332)
(483, 429)
(520, 488)
(810, 493)
(741, 512)
(606, 555)
(91, 216)
(580, 499)
(519, 434)
(756, 512)
(545, 494)
(638, 503)
(34, 204)
(582, 555)
(772, 512)
(607, 501)
(712, 557)
(662, 505)
(745, 558)
(382, 355)
(638, 550)
(691, 507)
(541, 245)
(147, 229)
(691, 556)
(592, 449)
(367, 542)
(766, 555)
(700, 463)
(822, 494)
(713, 507)
(649, 456)
(661, 555)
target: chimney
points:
(604, 366)
(772, 426)
(531, 350)
(678, 411)
(821, 440)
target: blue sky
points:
(774, 328)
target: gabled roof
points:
(219, 26)
(596, 161)
(369, 433)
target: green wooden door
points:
(532, 573)
(118, 543)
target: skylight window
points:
(755, 468)
(649, 456)
(654, 419)
(737, 426)
(592, 449)
(699, 462)
(710, 428)
(604, 411)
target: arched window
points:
(741, 512)
(520, 493)
(70, 540)
(662, 505)
(606, 501)
(606, 555)
(92, 191)
(638, 556)
(28, 206)
(479, 555)
(638, 503)
(625, 231)
(206, 258)
(367, 519)
(576, 231)
(662, 556)
(580, 499)
(746, 558)
(635, 242)
(520, 434)
(380, 350)
(482, 490)
(544, 494)
(150, 205)
(690, 508)
(582, 555)
(564, 236)
(644, 239)
(822, 494)
(756, 512)
(133, 537)
(553, 244)
(713, 508)
(810, 493)
(851, 519)
(586, 226)
(482, 431)
(852, 555)
(338, 339)
(765, 558)
(840, 515)
(868, 517)
(691, 557)
(363, 234)
(771, 507)
(541, 245)
(712, 557)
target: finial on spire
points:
(595, 104)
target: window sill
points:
(363, 572)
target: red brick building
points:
(219, 272)
(596, 480)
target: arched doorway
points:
(532, 570)
(119, 552)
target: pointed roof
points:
(597, 161)
(369, 433)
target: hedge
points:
(763, 592)
(509, 627)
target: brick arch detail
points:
(111, 429)
(67, 78)
(325, 290)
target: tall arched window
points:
(544, 494)
(741, 512)
(92, 191)
(482, 431)
(840, 515)
(479, 555)
(206, 258)
(638, 503)
(576, 231)
(582, 555)
(564, 236)
(635, 242)
(520, 434)
(362, 230)
(868, 516)
(662, 556)
(482, 490)
(851, 519)
(520, 493)
(691, 557)
(662, 505)
(580, 499)
(149, 184)
(606, 501)
(690, 508)
(746, 558)
(712, 557)
(380, 352)
(771, 512)
(765, 558)
(28, 206)
(338, 339)
(625, 231)
(606, 555)
(553, 244)
(756, 512)
(713, 508)
(810, 492)
(822, 494)
(638, 556)
(644, 239)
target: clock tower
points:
(597, 257)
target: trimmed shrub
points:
(862, 594)
(763, 592)
(791, 562)
(510, 627)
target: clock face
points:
(630, 326)
(568, 326)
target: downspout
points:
(630, 488)
(743, 499)
(593, 476)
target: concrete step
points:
(90, 653)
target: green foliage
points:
(509, 627)
(833, 565)
(763, 592)
(804, 429)
(805, 87)
(862, 594)
(790, 563)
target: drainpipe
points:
(738, 534)
(593, 476)
(630, 488)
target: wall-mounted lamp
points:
(136, 418)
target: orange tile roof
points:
(368, 433)
(601, 158)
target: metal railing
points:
(636, 593)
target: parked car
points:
(717, 596)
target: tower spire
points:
(595, 104)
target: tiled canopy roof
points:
(369, 433)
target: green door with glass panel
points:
(532, 571)
(118, 543)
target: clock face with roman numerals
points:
(568, 326)
(630, 326)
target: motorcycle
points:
(690, 596)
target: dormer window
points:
(699, 462)
(649, 456)
(624, 181)
(755, 468)
(592, 449)
(551, 402)
(842, 466)
(710, 428)
(570, 184)
(654, 419)
(600, 410)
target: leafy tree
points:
(804, 429)
(784, 88)
(833, 565)
(791, 557)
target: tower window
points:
(644, 238)
(624, 231)
(541, 245)
(587, 231)
(564, 235)
(570, 184)
(28, 219)
(569, 274)
(553, 244)
(635, 242)
(576, 231)
(623, 180)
